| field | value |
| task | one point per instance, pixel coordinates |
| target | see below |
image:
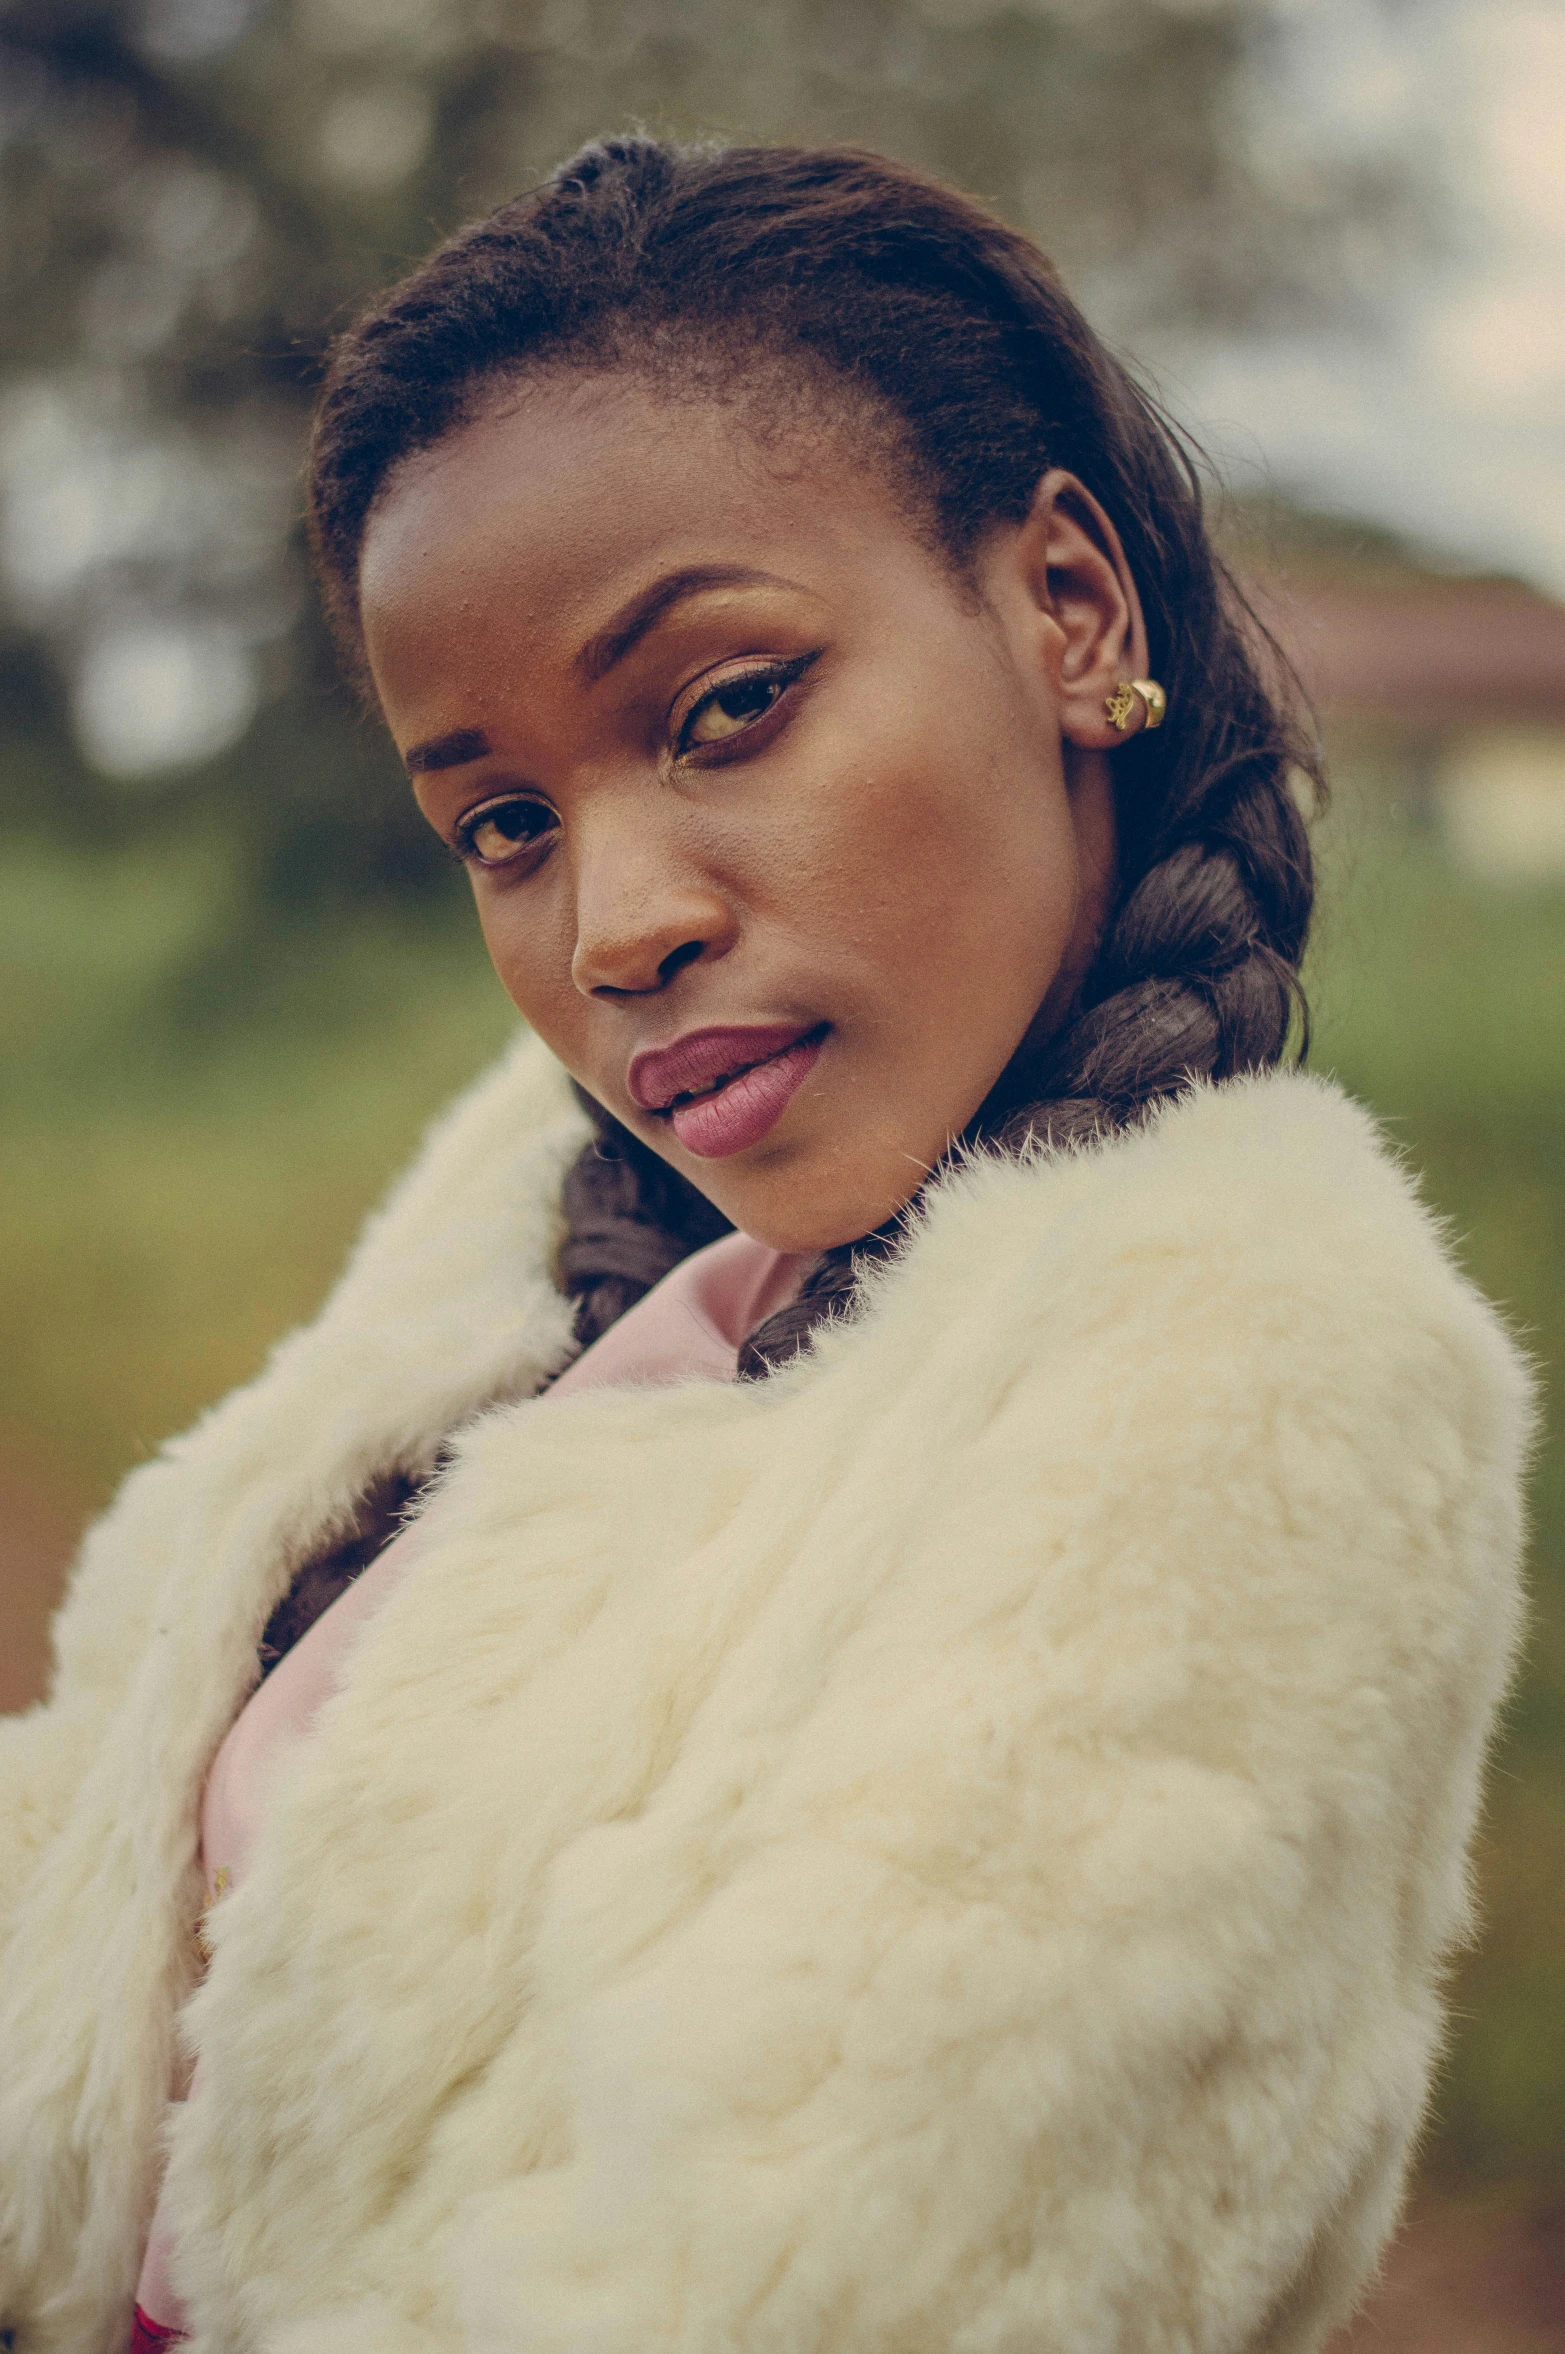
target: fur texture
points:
(947, 1851)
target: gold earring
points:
(1122, 702)
(1155, 700)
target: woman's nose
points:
(641, 918)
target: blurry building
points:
(1441, 696)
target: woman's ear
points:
(1090, 631)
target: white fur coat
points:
(947, 1851)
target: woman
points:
(949, 1839)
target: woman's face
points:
(781, 835)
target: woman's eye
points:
(729, 709)
(492, 836)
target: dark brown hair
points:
(928, 320)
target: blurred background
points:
(236, 974)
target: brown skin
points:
(902, 828)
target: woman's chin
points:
(816, 1176)
(798, 1202)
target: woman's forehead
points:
(562, 501)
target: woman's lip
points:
(739, 1114)
(697, 1062)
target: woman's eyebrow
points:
(450, 751)
(599, 655)
(647, 608)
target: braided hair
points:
(923, 317)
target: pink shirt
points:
(691, 1326)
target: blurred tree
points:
(196, 191)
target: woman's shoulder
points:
(1236, 1332)
(1266, 1217)
(1254, 1162)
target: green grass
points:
(190, 1133)
(186, 1148)
(1442, 1003)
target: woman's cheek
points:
(531, 956)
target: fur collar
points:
(949, 1848)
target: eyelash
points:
(465, 839)
(782, 675)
